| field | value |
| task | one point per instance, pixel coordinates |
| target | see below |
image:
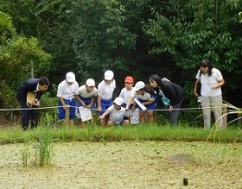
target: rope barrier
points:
(94, 109)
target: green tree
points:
(17, 54)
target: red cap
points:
(129, 79)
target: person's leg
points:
(206, 109)
(150, 114)
(25, 114)
(34, 117)
(173, 115)
(217, 103)
(142, 116)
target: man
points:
(32, 90)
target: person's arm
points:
(99, 107)
(80, 100)
(195, 88)
(92, 101)
(129, 102)
(219, 84)
(62, 102)
(104, 114)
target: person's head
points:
(90, 84)
(139, 87)
(117, 103)
(108, 76)
(129, 82)
(44, 83)
(206, 67)
(155, 81)
(70, 78)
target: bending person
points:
(171, 93)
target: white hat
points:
(70, 77)
(139, 85)
(108, 75)
(90, 82)
(119, 101)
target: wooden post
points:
(239, 119)
(225, 120)
(67, 113)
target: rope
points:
(94, 109)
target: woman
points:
(211, 81)
(172, 95)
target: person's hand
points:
(213, 87)
(196, 95)
(171, 108)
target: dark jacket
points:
(172, 91)
(29, 85)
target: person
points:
(171, 93)
(126, 91)
(36, 86)
(117, 113)
(146, 95)
(211, 81)
(85, 96)
(105, 93)
(66, 94)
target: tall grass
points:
(136, 132)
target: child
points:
(116, 112)
(146, 95)
(105, 93)
(66, 94)
(85, 96)
(126, 91)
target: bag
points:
(199, 86)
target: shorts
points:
(105, 104)
(62, 112)
(151, 106)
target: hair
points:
(156, 78)
(44, 81)
(149, 90)
(206, 63)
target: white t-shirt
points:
(145, 97)
(106, 90)
(125, 94)
(209, 81)
(82, 91)
(67, 91)
(117, 116)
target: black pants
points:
(29, 113)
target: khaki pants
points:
(213, 104)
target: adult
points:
(171, 93)
(211, 81)
(31, 87)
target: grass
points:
(137, 132)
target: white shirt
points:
(106, 90)
(82, 91)
(125, 94)
(67, 91)
(145, 97)
(117, 116)
(209, 81)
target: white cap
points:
(119, 101)
(139, 85)
(90, 82)
(70, 77)
(108, 75)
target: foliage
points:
(17, 52)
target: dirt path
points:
(114, 165)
